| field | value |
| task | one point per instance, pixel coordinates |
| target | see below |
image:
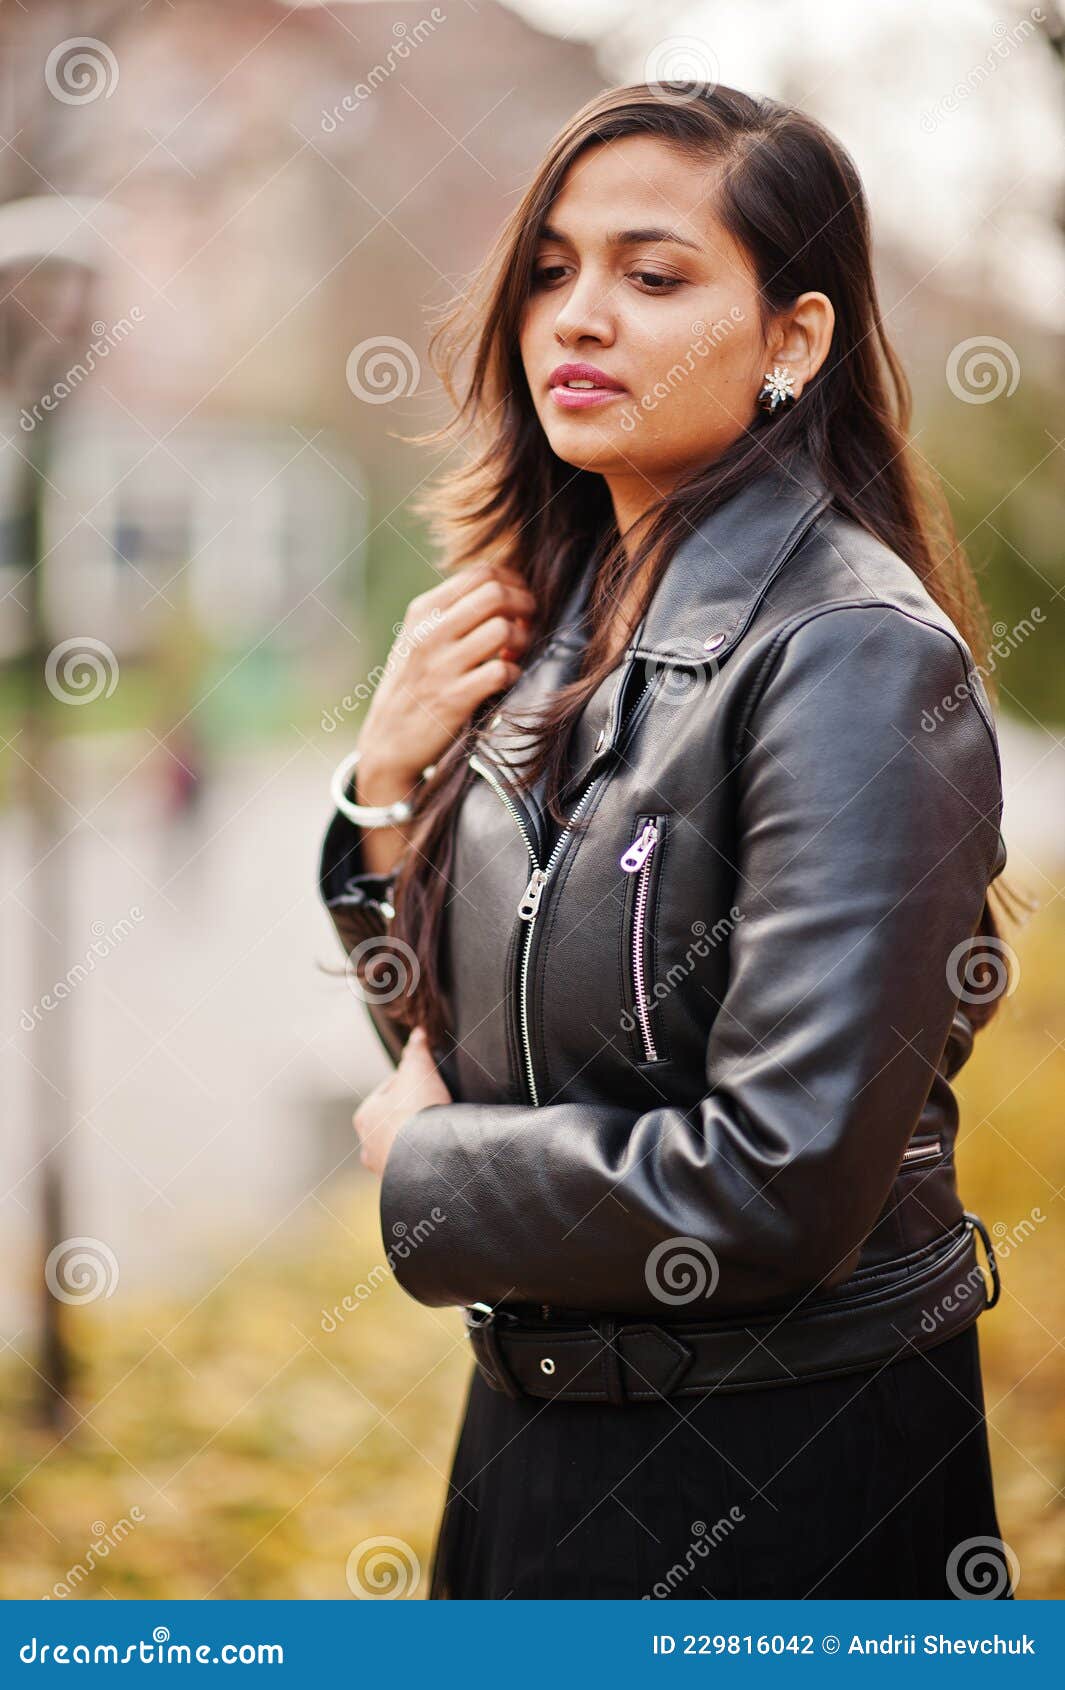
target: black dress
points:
(877, 1484)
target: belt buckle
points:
(481, 1327)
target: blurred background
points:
(223, 231)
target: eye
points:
(548, 275)
(654, 282)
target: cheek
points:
(694, 403)
(535, 327)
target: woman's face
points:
(636, 278)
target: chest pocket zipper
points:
(642, 859)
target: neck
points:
(632, 497)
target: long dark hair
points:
(791, 196)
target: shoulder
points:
(850, 614)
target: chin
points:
(593, 453)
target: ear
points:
(803, 335)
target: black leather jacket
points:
(703, 1049)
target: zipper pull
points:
(640, 849)
(530, 901)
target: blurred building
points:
(251, 527)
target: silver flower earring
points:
(778, 393)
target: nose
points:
(586, 313)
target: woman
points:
(668, 841)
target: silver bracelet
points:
(370, 815)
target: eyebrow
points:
(625, 237)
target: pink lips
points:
(579, 398)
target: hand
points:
(457, 646)
(413, 1084)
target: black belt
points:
(616, 1360)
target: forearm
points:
(379, 782)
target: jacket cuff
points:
(360, 908)
(412, 1188)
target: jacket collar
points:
(717, 576)
(700, 609)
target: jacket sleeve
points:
(868, 807)
(359, 905)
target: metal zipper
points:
(528, 910)
(493, 780)
(637, 860)
(923, 1152)
(529, 906)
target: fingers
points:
(457, 586)
(490, 599)
(481, 683)
(489, 639)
